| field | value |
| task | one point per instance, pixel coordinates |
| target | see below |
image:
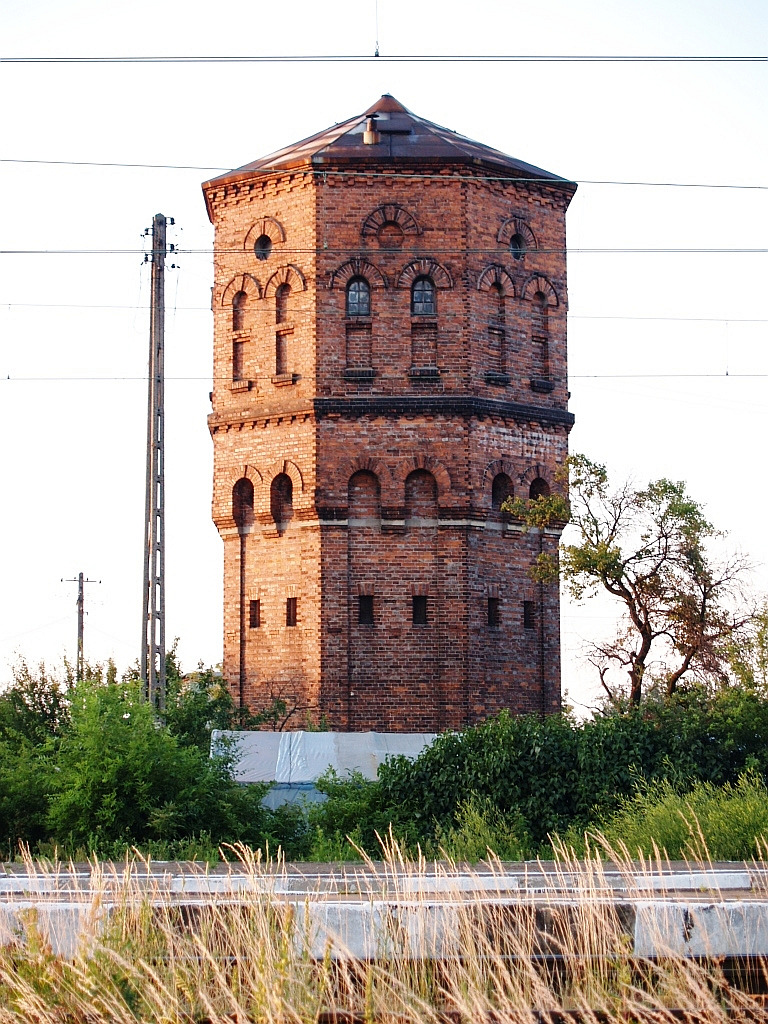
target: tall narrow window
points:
(254, 614)
(282, 295)
(238, 360)
(291, 610)
(365, 609)
(423, 297)
(239, 302)
(529, 616)
(496, 305)
(242, 503)
(540, 314)
(494, 613)
(281, 352)
(419, 610)
(539, 489)
(281, 499)
(358, 297)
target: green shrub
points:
(122, 778)
(480, 830)
(355, 807)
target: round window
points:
(262, 247)
(517, 246)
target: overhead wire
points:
(410, 175)
(464, 58)
(570, 251)
(724, 374)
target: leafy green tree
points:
(649, 548)
(748, 658)
(121, 777)
(35, 707)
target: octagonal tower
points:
(389, 365)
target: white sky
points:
(73, 326)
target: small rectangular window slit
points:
(365, 609)
(419, 610)
(254, 614)
(529, 615)
(290, 610)
(494, 613)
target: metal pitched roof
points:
(403, 136)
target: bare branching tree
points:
(650, 549)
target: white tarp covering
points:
(302, 757)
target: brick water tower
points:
(389, 364)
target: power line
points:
(497, 58)
(376, 174)
(724, 374)
(578, 250)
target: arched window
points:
(420, 495)
(282, 295)
(364, 495)
(501, 489)
(358, 297)
(539, 489)
(242, 503)
(540, 313)
(281, 500)
(496, 305)
(239, 302)
(423, 297)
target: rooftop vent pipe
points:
(370, 136)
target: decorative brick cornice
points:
(440, 405)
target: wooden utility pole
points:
(153, 613)
(81, 581)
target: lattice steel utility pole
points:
(153, 614)
(81, 581)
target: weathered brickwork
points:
(389, 364)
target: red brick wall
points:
(391, 472)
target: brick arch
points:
(424, 268)
(249, 472)
(537, 283)
(532, 473)
(390, 213)
(495, 274)
(364, 464)
(430, 465)
(223, 513)
(288, 274)
(242, 283)
(517, 226)
(268, 226)
(492, 470)
(290, 469)
(358, 266)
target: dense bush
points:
(90, 768)
(557, 773)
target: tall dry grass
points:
(257, 952)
